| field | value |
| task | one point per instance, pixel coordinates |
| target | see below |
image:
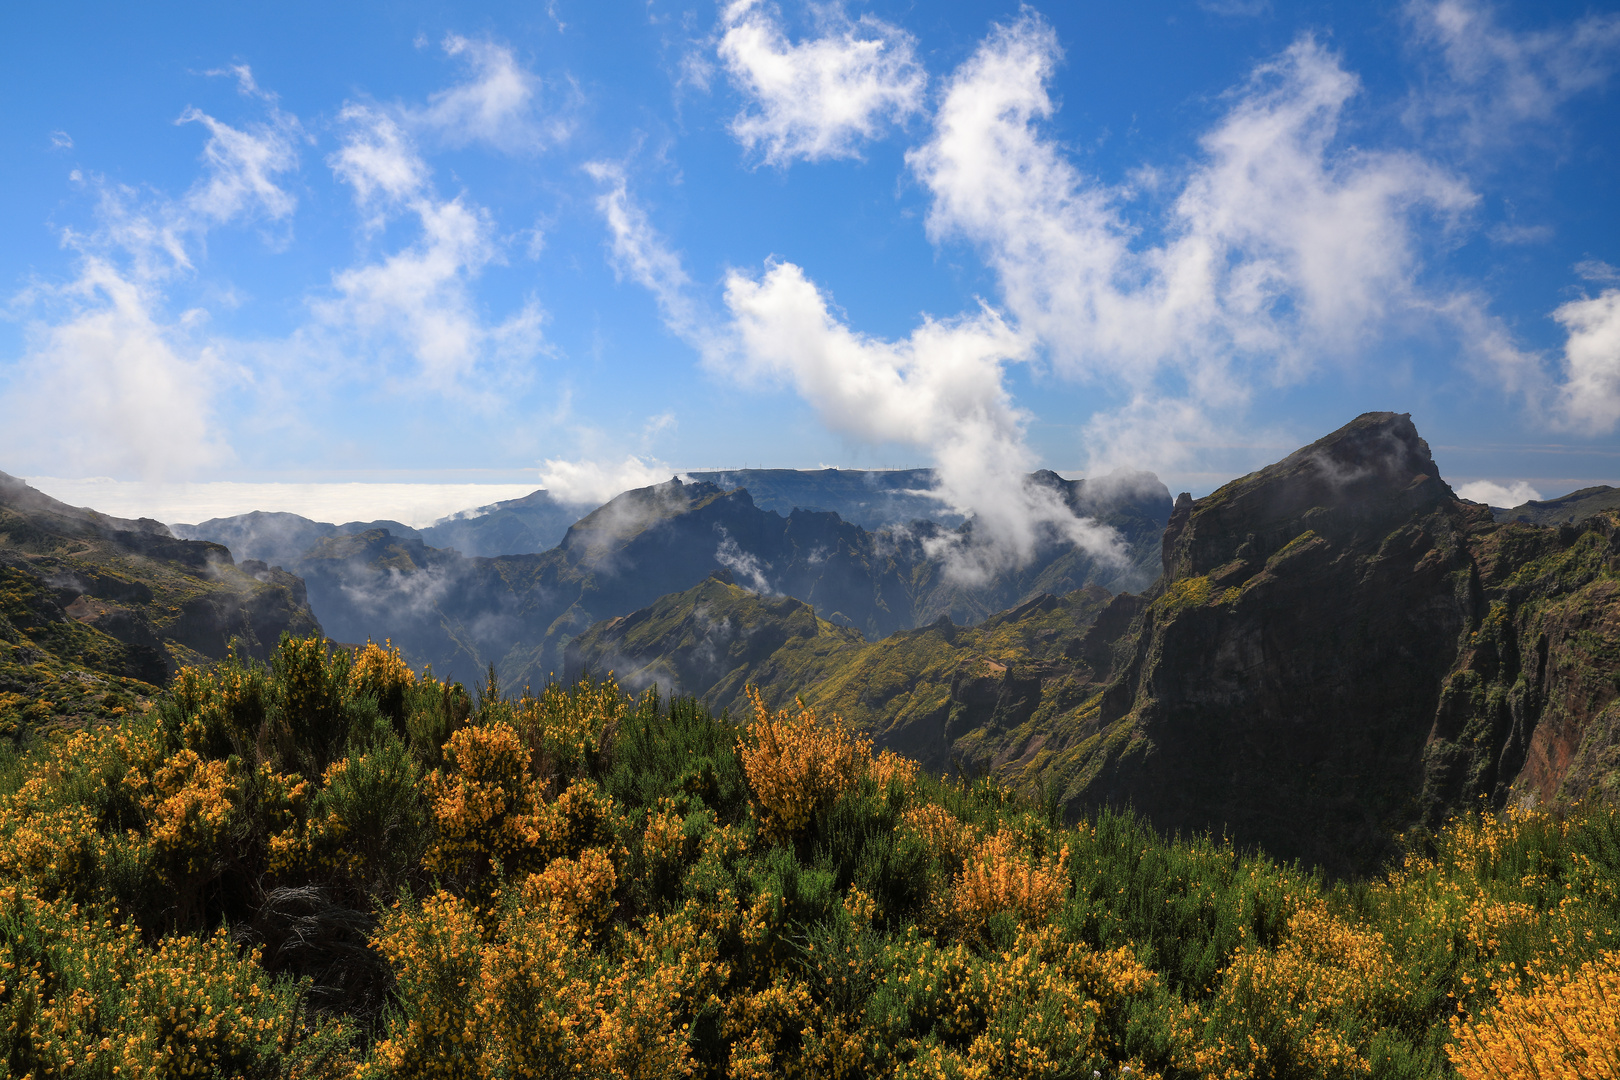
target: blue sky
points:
(591, 244)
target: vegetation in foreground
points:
(333, 866)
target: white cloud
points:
(643, 255)
(61, 140)
(598, 481)
(819, 98)
(940, 390)
(243, 168)
(1597, 270)
(1278, 249)
(1500, 85)
(415, 308)
(376, 158)
(111, 388)
(1491, 493)
(110, 380)
(1589, 400)
(497, 104)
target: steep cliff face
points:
(97, 611)
(1341, 650)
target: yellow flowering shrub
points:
(529, 998)
(486, 806)
(1563, 1023)
(578, 892)
(188, 803)
(889, 767)
(946, 837)
(797, 765)
(1308, 1007)
(568, 729)
(380, 672)
(57, 850)
(82, 995)
(437, 956)
(608, 894)
(664, 839)
(997, 876)
(782, 1031)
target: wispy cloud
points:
(112, 380)
(1499, 85)
(377, 159)
(641, 253)
(498, 104)
(818, 98)
(413, 312)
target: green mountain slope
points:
(1571, 509)
(96, 611)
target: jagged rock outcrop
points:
(97, 611)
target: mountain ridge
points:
(1335, 639)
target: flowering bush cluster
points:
(331, 865)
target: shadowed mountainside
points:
(1338, 650)
(96, 612)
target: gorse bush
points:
(331, 865)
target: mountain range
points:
(1338, 651)
(1314, 659)
(519, 611)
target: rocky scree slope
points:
(97, 612)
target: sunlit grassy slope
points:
(334, 866)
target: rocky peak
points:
(1366, 477)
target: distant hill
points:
(870, 498)
(1571, 509)
(1339, 650)
(533, 523)
(97, 612)
(943, 694)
